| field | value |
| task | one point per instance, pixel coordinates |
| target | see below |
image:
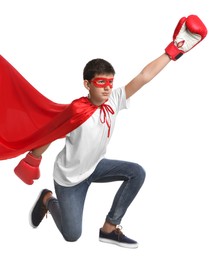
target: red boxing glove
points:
(28, 169)
(188, 33)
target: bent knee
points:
(141, 174)
(71, 237)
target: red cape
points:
(28, 119)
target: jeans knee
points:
(72, 237)
(141, 174)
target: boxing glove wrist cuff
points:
(32, 160)
(173, 52)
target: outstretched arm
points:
(147, 74)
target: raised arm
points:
(147, 74)
(188, 33)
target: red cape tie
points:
(105, 112)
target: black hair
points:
(97, 67)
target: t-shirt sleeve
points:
(118, 99)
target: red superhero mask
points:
(102, 82)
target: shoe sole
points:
(109, 241)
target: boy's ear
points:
(87, 84)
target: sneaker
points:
(118, 238)
(39, 210)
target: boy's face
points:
(100, 88)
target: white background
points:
(168, 129)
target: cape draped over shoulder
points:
(28, 119)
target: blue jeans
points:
(67, 209)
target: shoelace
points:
(118, 231)
(105, 111)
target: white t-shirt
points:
(86, 145)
